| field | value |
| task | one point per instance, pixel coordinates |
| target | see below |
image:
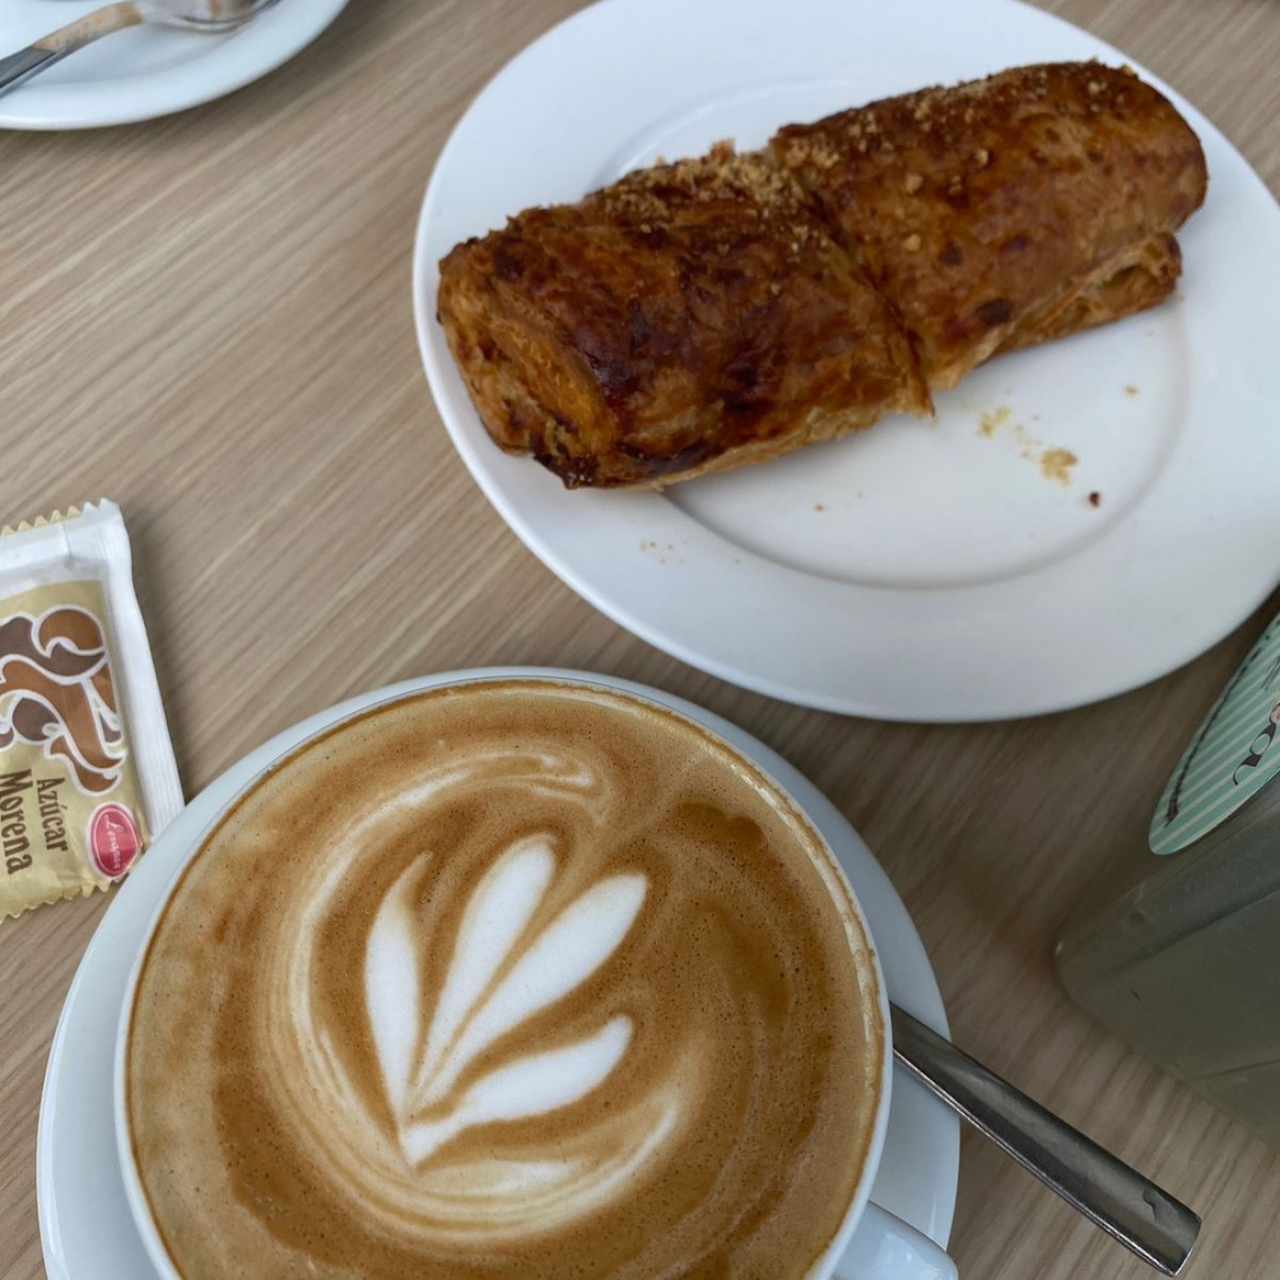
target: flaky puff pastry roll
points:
(1007, 211)
(725, 310)
(691, 317)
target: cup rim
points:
(332, 718)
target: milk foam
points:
(498, 977)
(504, 980)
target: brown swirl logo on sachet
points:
(56, 693)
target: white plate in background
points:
(146, 71)
(920, 571)
(85, 1225)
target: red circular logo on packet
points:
(114, 839)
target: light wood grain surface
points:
(207, 318)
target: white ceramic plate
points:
(147, 71)
(85, 1224)
(921, 571)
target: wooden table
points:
(207, 318)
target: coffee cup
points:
(554, 1075)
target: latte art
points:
(487, 994)
(511, 980)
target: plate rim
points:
(468, 441)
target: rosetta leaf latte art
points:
(507, 982)
(497, 915)
(538, 1083)
(497, 979)
(394, 1006)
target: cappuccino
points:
(508, 979)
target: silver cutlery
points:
(209, 16)
(1159, 1229)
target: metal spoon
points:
(1159, 1229)
(190, 15)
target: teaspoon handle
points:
(17, 68)
(1159, 1229)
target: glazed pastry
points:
(725, 310)
(690, 318)
(1007, 211)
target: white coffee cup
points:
(871, 1243)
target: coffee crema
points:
(507, 979)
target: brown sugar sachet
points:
(87, 774)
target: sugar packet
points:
(87, 774)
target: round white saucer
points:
(85, 1225)
(147, 71)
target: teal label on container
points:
(1235, 753)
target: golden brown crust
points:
(725, 310)
(994, 212)
(691, 317)
(1140, 277)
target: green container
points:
(1183, 960)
